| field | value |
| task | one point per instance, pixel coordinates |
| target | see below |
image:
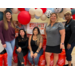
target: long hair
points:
(5, 21)
(19, 36)
(49, 22)
(38, 36)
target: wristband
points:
(62, 43)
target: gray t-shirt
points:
(53, 35)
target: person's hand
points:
(16, 35)
(19, 49)
(4, 45)
(61, 46)
(31, 54)
(68, 46)
(35, 55)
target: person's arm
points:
(16, 43)
(1, 34)
(72, 38)
(62, 33)
(40, 45)
(45, 32)
(29, 44)
(26, 44)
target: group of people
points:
(57, 36)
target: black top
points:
(70, 32)
(33, 45)
(23, 44)
(4, 51)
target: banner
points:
(30, 27)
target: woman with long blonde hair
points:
(35, 46)
(55, 35)
(7, 34)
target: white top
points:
(1, 47)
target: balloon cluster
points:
(26, 14)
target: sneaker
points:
(67, 65)
(22, 64)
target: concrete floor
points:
(73, 61)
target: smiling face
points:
(8, 15)
(67, 16)
(22, 33)
(53, 17)
(35, 31)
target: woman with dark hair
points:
(70, 36)
(7, 34)
(22, 46)
(35, 46)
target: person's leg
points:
(68, 54)
(47, 56)
(55, 59)
(19, 64)
(30, 59)
(37, 58)
(20, 58)
(13, 44)
(9, 52)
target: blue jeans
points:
(69, 51)
(10, 48)
(35, 59)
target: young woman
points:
(55, 35)
(7, 35)
(70, 36)
(22, 46)
(35, 46)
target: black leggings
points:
(20, 58)
(69, 51)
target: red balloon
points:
(44, 9)
(21, 9)
(35, 8)
(24, 17)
